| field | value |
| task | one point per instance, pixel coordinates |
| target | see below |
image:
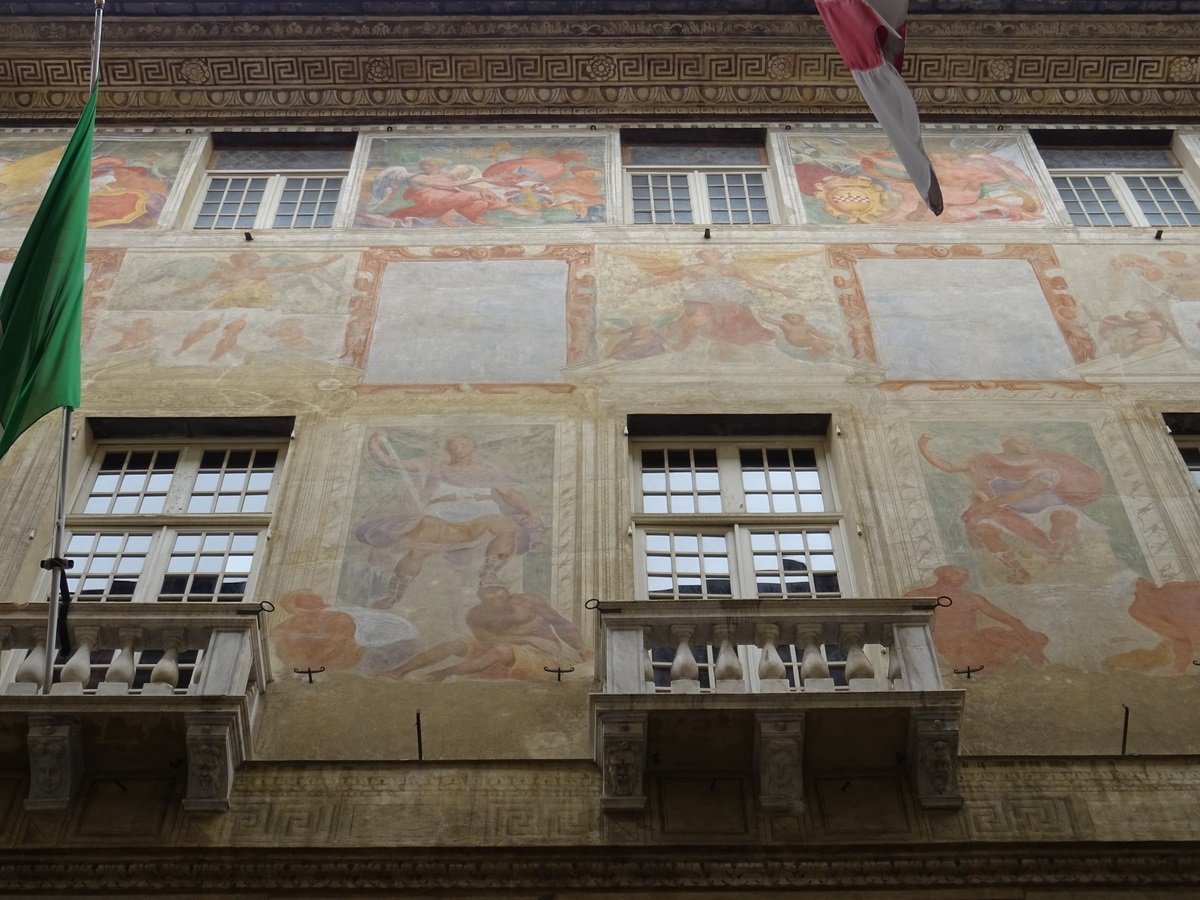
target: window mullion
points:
(741, 562)
(698, 188)
(1133, 209)
(729, 471)
(154, 566)
(270, 201)
(186, 468)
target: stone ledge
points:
(370, 873)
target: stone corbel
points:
(779, 761)
(214, 752)
(55, 761)
(622, 753)
(933, 749)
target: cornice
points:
(385, 871)
(395, 70)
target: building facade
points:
(549, 450)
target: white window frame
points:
(272, 196)
(698, 192)
(733, 522)
(1116, 181)
(174, 519)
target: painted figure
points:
(457, 505)
(243, 282)
(1138, 329)
(717, 306)
(1171, 610)
(476, 182)
(959, 634)
(512, 636)
(1022, 496)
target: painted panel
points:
(467, 321)
(933, 312)
(472, 314)
(131, 179)
(1032, 525)
(670, 308)
(189, 308)
(859, 179)
(446, 573)
(1146, 304)
(962, 319)
(461, 182)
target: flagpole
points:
(57, 563)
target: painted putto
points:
(456, 183)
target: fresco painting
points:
(131, 180)
(454, 321)
(454, 183)
(446, 572)
(715, 305)
(1147, 304)
(859, 180)
(972, 631)
(1030, 519)
(216, 309)
(999, 324)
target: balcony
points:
(199, 701)
(778, 684)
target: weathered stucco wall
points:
(962, 360)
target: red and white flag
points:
(869, 36)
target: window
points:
(1107, 184)
(266, 186)
(708, 177)
(172, 522)
(1185, 430)
(1190, 451)
(730, 520)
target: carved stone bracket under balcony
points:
(55, 761)
(934, 754)
(622, 753)
(779, 752)
(206, 716)
(773, 662)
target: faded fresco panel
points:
(1146, 305)
(859, 179)
(671, 308)
(189, 308)
(447, 573)
(460, 182)
(941, 319)
(131, 179)
(1032, 524)
(489, 321)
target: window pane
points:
(728, 198)
(686, 565)
(105, 566)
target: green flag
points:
(41, 308)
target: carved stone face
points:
(622, 769)
(47, 769)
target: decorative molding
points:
(336, 69)
(391, 869)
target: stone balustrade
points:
(899, 628)
(889, 669)
(217, 705)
